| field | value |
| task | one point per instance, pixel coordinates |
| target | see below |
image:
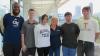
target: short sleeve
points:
(62, 30)
(23, 28)
(77, 30)
(78, 21)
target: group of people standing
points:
(47, 39)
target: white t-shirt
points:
(42, 35)
(88, 29)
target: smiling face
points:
(31, 14)
(68, 18)
(86, 11)
(54, 21)
(45, 20)
(16, 9)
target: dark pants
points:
(43, 51)
(29, 51)
(11, 50)
(54, 51)
(86, 48)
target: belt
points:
(83, 42)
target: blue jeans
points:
(54, 51)
(68, 51)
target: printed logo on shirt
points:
(44, 33)
(58, 30)
(15, 23)
(86, 29)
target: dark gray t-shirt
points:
(70, 33)
(28, 31)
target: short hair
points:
(43, 16)
(31, 10)
(86, 8)
(54, 18)
(15, 3)
(68, 13)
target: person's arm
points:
(23, 38)
(1, 32)
(23, 43)
(97, 32)
(36, 34)
(4, 21)
(77, 30)
(22, 22)
(61, 30)
(0, 28)
(22, 28)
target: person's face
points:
(31, 14)
(54, 22)
(16, 9)
(45, 20)
(68, 18)
(85, 13)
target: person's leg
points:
(51, 51)
(65, 51)
(46, 51)
(89, 49)
(40, 51)
(72, 51)
(80, 49)
(57, 51)
(7, 49)
(31, 51)
(17, 50)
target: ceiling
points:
(44, 6)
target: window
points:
(4, 7)
(76, 6)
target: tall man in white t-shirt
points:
(89, 30)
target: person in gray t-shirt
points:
(28, 40)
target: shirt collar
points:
(55, 29)
(13, 15)
(29, 22)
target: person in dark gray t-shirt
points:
(28, 40)
(70, 32)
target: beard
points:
(16, 13)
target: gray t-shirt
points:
(28, 31)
